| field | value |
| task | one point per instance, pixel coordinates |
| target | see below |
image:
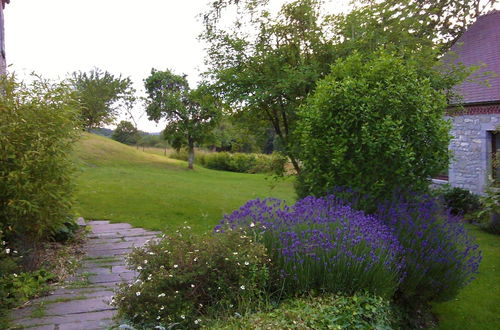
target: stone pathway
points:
(83, 301)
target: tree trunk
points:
(190, 156)
(295, 164)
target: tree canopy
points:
(126, 133)
(101, 95)
(191, 114)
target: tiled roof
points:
(480, 44)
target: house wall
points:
(470, 167)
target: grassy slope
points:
(123, 184)
(477, 305)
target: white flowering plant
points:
(185, 279)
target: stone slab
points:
(97, 222)
(105, 278)
(97, 304)
(110, 246)
(65, 319)
(111, 227)
(108, 252)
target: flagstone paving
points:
(83, 301)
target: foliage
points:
(126, 133)
(101, 94)
(458, 200)
(322, 244)
(38, 126)
(372, 124)
(489, 214)
(360, 311)
(184, 278)
(238, 162)
(440, 257)
(191, 114)
(267, 73)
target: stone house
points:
(475, 142)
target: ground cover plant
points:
(359, 311)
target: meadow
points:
(124, 184)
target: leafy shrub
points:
(372, 124)
(440, 257)
(38, 125)
(237, 162)
(322, 244)
(184, 278)
(459, 201)
(489, 214)
(360, 311)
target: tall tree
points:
(101, 95)
(268, 73)
(191, 114)
(126, 132)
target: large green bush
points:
(38, 125)
(372, 124)
(183, 279)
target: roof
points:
(480, 44)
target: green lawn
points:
(478, 305)
(123, 184)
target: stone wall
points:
(470, 167)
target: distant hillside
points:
(107, 132)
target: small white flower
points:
(183, 317)
(139, 267)
(242, 287)
(150, 276)
(162, 267)
(176, 292)
(175, 266)
(138, 293)
(252, 224)
(161, 295)
(15, 275)
(170, 275)
(151, 253)
(195, 259)
(235, 253)
(196, 321)
(7, 251)
(162, 308)
(192, 285)
(247, 263)
(14, 251)
(145, 261)
(158, 318)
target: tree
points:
(126, 132)
(101, 95)
(191, 114)
(269, 73)
(375, 125)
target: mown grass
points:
(124, 184)
(477, 305)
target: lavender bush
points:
(323, 244)
(440, 256)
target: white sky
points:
(128, 37)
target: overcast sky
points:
(128, 37)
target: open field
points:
(123, 184)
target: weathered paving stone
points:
(84, 303)
(68, 319)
